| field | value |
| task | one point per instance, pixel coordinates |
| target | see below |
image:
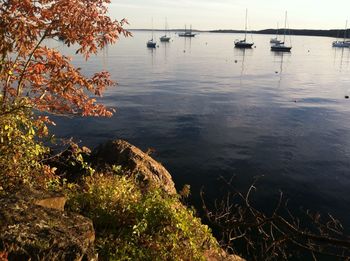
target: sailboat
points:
(280, 47)
(243, 43)
(151, 43)
(343, 43)
(165, 38)
(276, 40)
(187, 33)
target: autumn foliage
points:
(35, 77)
(29, 68)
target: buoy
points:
(235, 61)
(346, 96)
(276, 72)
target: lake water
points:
(210, 111)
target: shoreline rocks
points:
(134, 161)
(35, 226)
(38, 229)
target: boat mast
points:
(152, 29)
(246, 19)
(166, 26)
(346, 25)
(285, 28)
(277, 31)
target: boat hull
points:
(187, 35)
(164, 39)
(243, 45)
(280, 48)
(341, 44)
(151, 45)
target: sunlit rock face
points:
(149, 172)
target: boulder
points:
(135, 162)
(221, 255)
(34, 229)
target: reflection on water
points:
(211, 110)
(279, 59)
(341, 57)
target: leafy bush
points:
(21, 152)
(131, 225)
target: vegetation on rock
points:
(21, 152)
(131, 224)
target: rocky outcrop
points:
(136, 162)
(214, 255)
(38, 229)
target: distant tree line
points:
(328, 33)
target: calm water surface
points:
(210, 110)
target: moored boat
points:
(281, 47)
(275, 40)
(165, 37)
(345, 43)
(151, 44)
(341, 44)
(243, 43)
(187, 33)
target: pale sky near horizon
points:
(230, 14)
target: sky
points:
(230, 14)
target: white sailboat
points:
(151, 43)
(243, 43)
(344, 43)
(281, 47)
(165, 37)
(276, 40)
(187, 33)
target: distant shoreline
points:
(336, 33)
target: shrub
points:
(20, 149)
(131, 225)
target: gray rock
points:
(137, 163)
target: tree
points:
(30, 69)
(36, 77)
